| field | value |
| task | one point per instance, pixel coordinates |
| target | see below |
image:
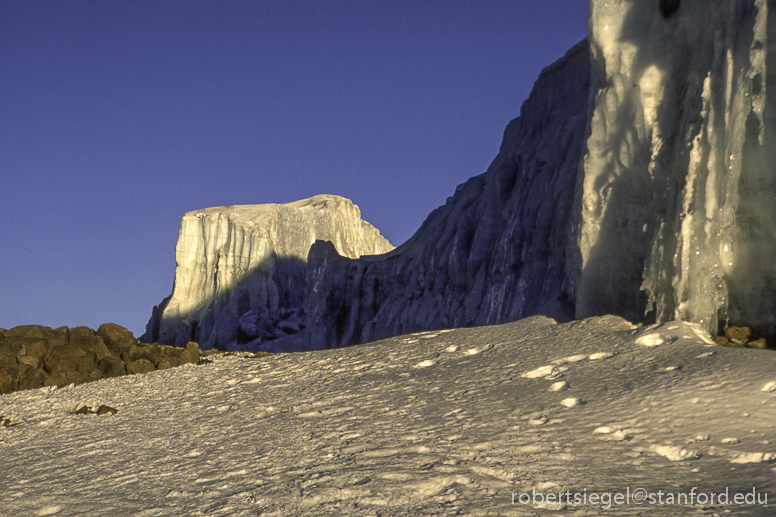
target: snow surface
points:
(436, 423)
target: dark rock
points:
(93, 343)
(36, 350)
(83, 410)
(193, 347)
(151, 352)
(738, 335)
(53, 337)
(32, 356)
(100, 410)
(31, 361)
(29, 377)
(723, 341)
(189, 357)
(70, 358)
(140, 366)
(62, 336)
(14, 347)
(7, 360)
(106, 410)
(761, 343)
(7, 422)
(170, 357)
(116, 337)
(14, 372)
(111, 366)
(81, 332)
(7, 384)
(64, 378)
(173, 356)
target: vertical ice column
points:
(750, 267)
(678, 195)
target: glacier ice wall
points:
(678, 197)
(240, 270)
(638, 181)
(501, 248)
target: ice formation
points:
(636, 181)
(241, 269)
(678, 191)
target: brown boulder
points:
(63, 378)
(106, 410)
(81, 332)
(140, 366)
(722, 341)
(111, 366)
(738, 335)
(15, 347)
(24, 377)
(55, 337)
(189, 357)
(35, 362)
(70, 358)
(7, 384)
(169, 357)
(761, 343)
(30, 378)
(23, 350)
(93, 343)
(151, 352)
(35, 351)
(7, 360)
(177, 356)
(27, 331)
(116, 338)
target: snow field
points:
(366, 431)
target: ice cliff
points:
(638, 181)
(240, 272)
(677, 181)
(500, 249)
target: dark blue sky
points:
(118, 117)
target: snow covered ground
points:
(464, 422)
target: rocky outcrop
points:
(240, 274)
(34, 356)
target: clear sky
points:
(119, 116)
